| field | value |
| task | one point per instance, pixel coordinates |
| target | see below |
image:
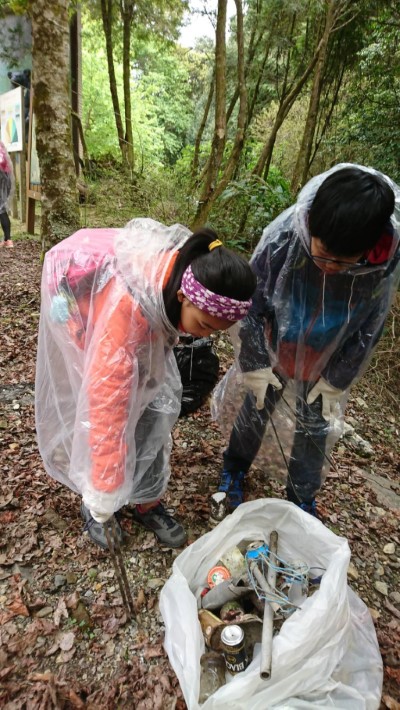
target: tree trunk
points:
(219, 138)
(206, 205)
(264, 161)
(52, 108)
(250, 56)
(257, 39)
(303, 158)
(78, 123)
(106, 14)
(286, 104)
(339, 14)
(256, 90)
(325, 121)
(127, 11)
(195, 164)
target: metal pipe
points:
(267, 632)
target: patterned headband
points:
(212, 303)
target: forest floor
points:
(64, 640)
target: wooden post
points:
(22, 179)
(33, 191)
(14, 206)
(30, 215)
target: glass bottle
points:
(212, 674)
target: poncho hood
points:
(144, 249)
(388, 244)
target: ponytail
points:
(218, 269)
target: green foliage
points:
(367, 122)
(164, 87)
(113, 199)
(112, 196)
(14, 47)
(97, 115)
(169, 87)
(158, 18)
(373, 113)
(163, 194)
(261, 201)
(246, 206)
(18, 7)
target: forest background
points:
(225, 133)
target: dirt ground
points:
(64, 639)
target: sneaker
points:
(231, 483)
(162, 524)
(96, 530)
(310, 508)
(9, 243)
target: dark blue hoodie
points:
(307, 323)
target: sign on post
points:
(12, 130)
(12, 119)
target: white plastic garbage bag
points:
(326, 653)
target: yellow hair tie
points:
(214, 244)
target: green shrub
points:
(247, 206)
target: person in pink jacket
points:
(6, 188)
(107, 385)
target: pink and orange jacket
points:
(6, 178)
(105, 362)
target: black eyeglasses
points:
(363, 262)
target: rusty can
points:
(230, 610)
(236, 659)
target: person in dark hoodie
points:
(327, 270)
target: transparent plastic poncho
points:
(305, 324)
(107, 386)
(6, 179)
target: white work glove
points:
(102, 505)
(258, 381)
(100, 517)
(330, 399)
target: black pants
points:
(308, 448)
(6, 225)
(152, 454)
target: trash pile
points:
(268, 587)
(250, 592)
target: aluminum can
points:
(217, 575)
(232, 638)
